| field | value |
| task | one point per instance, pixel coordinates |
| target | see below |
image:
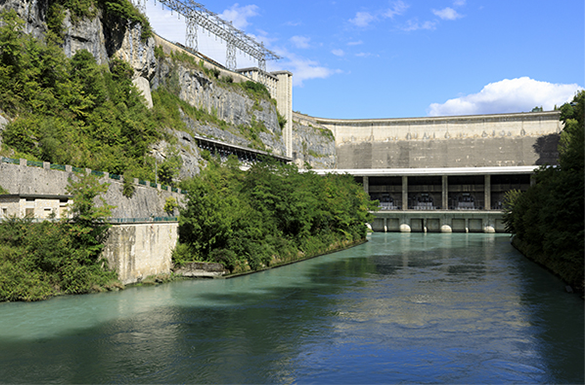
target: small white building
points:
(33, 206)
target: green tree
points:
(269, 214)
(548, 220)
(168, 170)
(88, 224)
(39, 260)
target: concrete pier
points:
(439, 221)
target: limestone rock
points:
(123, 40)
(313, 144)
(231, 105)
(3, 123)
(33, 12)
(85, 34)
(144, 86)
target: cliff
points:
(218, 104)
(313, 143)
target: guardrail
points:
(142, 220)
(108, 220)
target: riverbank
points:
(570, 273)
(215, 270)
(339, 246)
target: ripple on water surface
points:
(457, 308)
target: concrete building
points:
(33, 205)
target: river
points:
(414, 308)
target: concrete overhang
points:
(430, 171)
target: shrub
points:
(170, 205)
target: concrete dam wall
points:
(455, 141)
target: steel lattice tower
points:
(196, 15)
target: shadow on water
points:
(401, 308)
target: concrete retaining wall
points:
(146, 201)
(136, 251)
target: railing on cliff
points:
(122, 221)
(112, 221)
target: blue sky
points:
(408, 58)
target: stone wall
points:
(146, 201)
(136, 251)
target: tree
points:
(548, 220)
(272, 211)
(88, 224)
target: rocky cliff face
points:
(33, 12)
(227, 103)
(103, 37)
(312, 144)
(107, 37)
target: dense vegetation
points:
(43, 259)
(71, 111)
(74, 111)
(79, 9)
(548, 220)
(268, 215)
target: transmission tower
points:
(196, 15)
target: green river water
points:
(402, 308)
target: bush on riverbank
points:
(268, 215)
(548, 220)
(43, 259)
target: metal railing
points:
(142, 220)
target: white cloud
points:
(302, 68)
(508, 95)
(414, 25)
(447, 14)
(362, 19)
(300, 41)
(338, 52)
(239, 15)
(459, 3)
(363, 54)
(359, 42)
(398, 9)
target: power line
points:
(196, 15)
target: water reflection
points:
(457, 308)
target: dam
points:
(443, 174)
